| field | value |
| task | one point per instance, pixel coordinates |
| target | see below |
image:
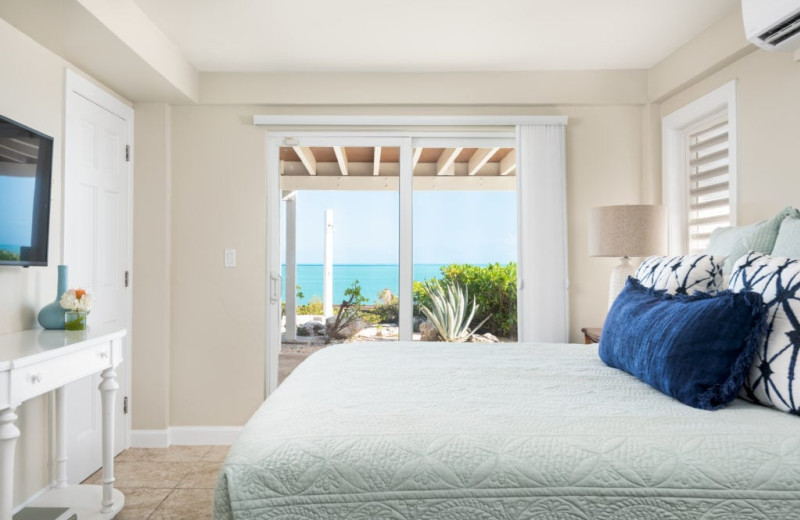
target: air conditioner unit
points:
(773, 25)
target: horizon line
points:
(416, 263)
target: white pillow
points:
(773, 378)
(682, 274)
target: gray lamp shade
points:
(631, 230)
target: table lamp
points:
(624, 232)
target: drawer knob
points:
(103, 355)
(36, 378)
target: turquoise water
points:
(372, 278)
(9, 247)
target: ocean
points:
(9, 247)
(372, 278)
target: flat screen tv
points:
(26, 168)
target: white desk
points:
(34, 362)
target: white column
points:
(291, 267)
(543, 298)
(327, 275)
(9, 433)
(61, 437)
(406, 275)
(108, 389)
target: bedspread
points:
(407, 431)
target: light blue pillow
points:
(788, 242)
(735, 242)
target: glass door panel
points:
(465, 238)
(339, 246)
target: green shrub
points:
(451, 311)
(494, 288)
(300, 296)
(314, 306)
(387, 311)
(353, 295)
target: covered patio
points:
(377, 169)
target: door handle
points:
(275, 287)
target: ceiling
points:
(430, 35)
(383, 160)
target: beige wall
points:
(325, 89)
(152, 234)
(718, 46)
(768, 92)
(604, 161)
(218, 314)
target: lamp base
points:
(619, 276)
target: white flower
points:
(77, 300)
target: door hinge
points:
(125, 405)
(127, 278)
(127, 153)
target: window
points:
(709, 182)
(699, 170)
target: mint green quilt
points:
(402, 431)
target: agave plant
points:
(451, 313)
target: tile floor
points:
(175, 483)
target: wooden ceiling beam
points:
(341, 158)
(479, 158)
(376, 162)
(444, 166)
(417, 155)
(508, 163)
(307, 158)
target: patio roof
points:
(377, 168)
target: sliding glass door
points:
(361, 194)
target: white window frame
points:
(675, 177)
(420, 130)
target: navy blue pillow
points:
(695, 348)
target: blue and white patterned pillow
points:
(772, 380)
(682, 274)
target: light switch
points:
(230, 258)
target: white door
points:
(96, 249)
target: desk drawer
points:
(38, 378)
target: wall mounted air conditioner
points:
(773, 25)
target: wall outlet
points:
(230, 258)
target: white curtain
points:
(543, 301)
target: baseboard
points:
(200, 435)
(150, 438)
(185, 436)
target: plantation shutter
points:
(709, 201)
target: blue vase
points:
(52, 315)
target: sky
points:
(476, 227)
(16, 210)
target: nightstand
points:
(591, 335)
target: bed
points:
(506, 431)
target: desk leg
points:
(108, 390)
(61, 437)
(9, 433)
